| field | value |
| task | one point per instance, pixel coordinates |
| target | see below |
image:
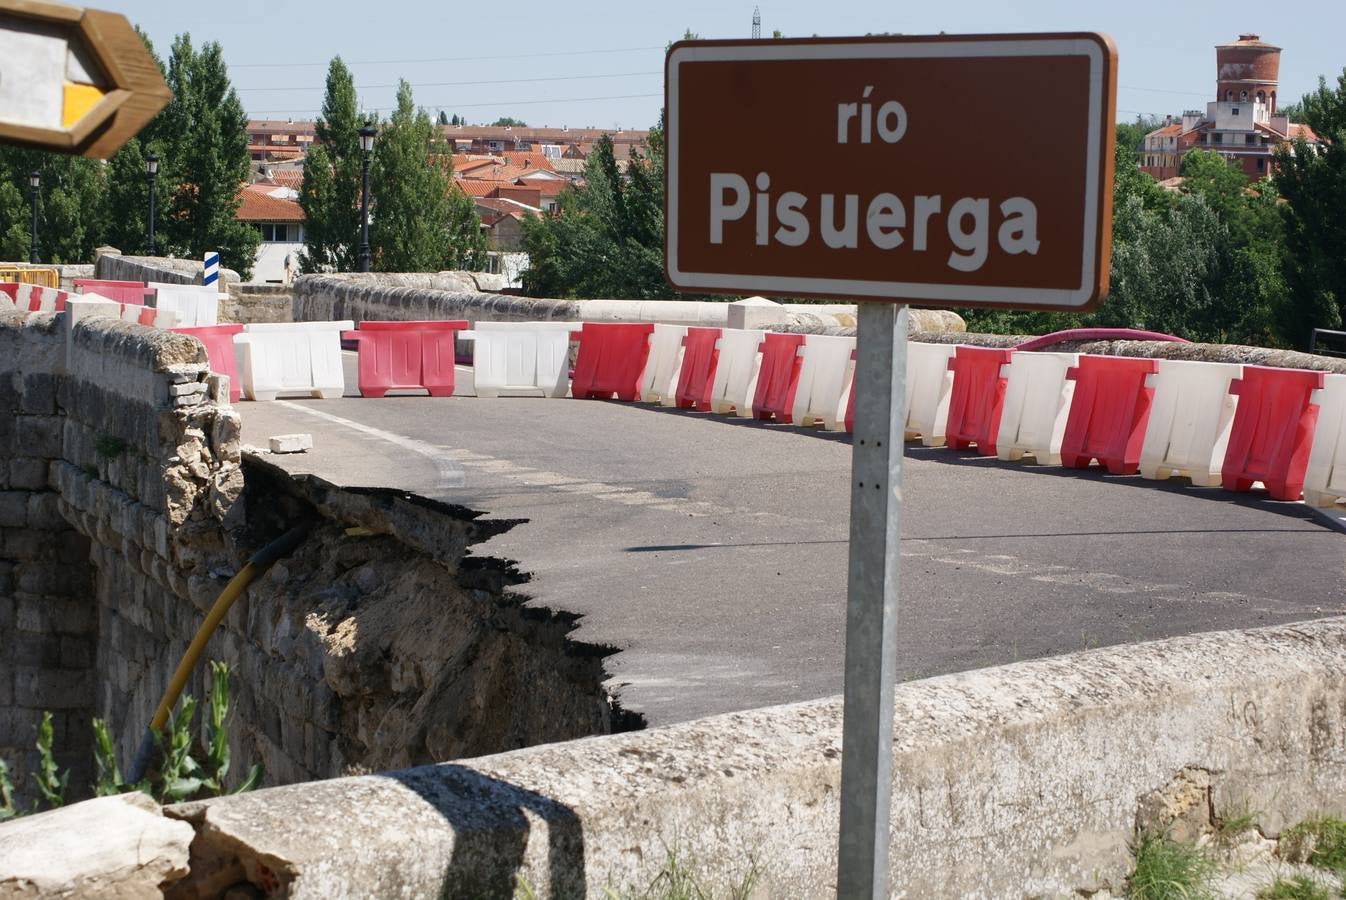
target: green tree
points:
(127, 216)
(205, 157)
(1314, 187)
(330, 193)
(509, 122)
(607, 238)
(128, 199)
(443, 117)
(417, 226)
(70, 205)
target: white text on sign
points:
(788, 218)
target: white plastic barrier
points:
(521, 357)
(195, 305)
(736, 371)
(291, 357)
(659, 380)
(1325, 479)
(1037, 404)
(46, 298)
(825, 363)
(929, 387)
(162, 318)
(1190, 419)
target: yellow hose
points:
(236, 586)
(256, 566)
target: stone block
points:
(39, 651)
(14, 509)
(55, 579)
(44, 512)
(290, 443)
(76, 652)
(756, 312)
(18, 727)
(41, 435)
(42, 615)
(53, 689)
(39, 394)
(27, 473)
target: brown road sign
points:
(960, 170)
(74, 80)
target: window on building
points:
(1236, 110)
(1219, 138)
(1249, 138)
(1261, 96)
(1243, 96)
(1261, 164)
(279, 232)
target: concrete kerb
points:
(1019, 780)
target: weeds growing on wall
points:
(185, 768)
(1169, 870)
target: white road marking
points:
(450, 472)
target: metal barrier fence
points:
(31, 275)
(1338, 338)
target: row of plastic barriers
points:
(1218, 424)
(159, 304)
(1215, 423)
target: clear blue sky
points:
(588, 63)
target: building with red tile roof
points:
(1242, 124)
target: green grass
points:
(1324, 838)
(1231, 827)
(1168, 870)
(1299, 888)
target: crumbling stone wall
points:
(124, 513)
(47, 622)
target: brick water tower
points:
(1247, 72)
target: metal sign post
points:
(871, 600)
(889, 206)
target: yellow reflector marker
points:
(79, 99)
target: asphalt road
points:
(711, 552)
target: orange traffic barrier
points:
(219, 343)
(1108, 413)
(697, 375)
(610, 360)
(1272, 433)
(778, 376)
(977, 398)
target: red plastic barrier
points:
(1272, 431)
(977, 398)
(132, 292)
(147, 314)
(219, 342)
(778, 377)
(609, 360)
(697, 375)
(1108, 414)
(1097, 334)
(35, 294)
(406, 355)
(11, 288)
(850, 405)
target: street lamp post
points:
(366, 144)
(151, 170)
(34, 182)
